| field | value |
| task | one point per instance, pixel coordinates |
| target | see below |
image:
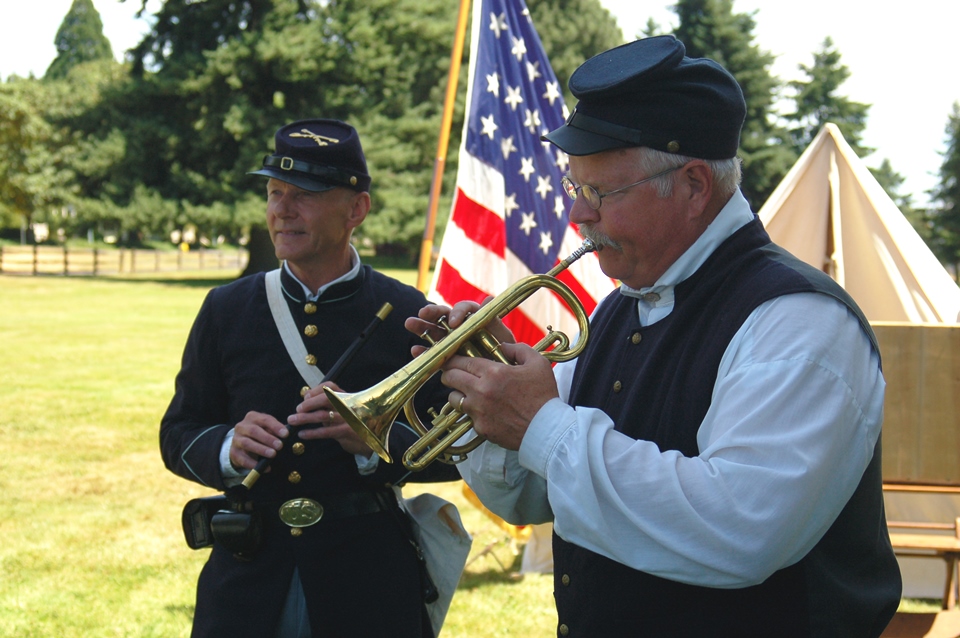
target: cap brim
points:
(576, 141)
(297, 179)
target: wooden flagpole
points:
(426, 246)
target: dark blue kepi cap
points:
(317, 155)
(648, 93)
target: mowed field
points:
(90, 537)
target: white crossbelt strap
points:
(288, 330)
(440, 532)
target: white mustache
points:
(598, 238)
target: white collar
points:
(656, 302)
(350, 274)
(733, 216)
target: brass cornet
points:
(372, 412)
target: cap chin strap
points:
(327, 173)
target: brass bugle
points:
(371, 412)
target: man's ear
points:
(359, 209)
(697, 179)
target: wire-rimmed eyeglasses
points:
(593, 197)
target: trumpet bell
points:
(368, 415)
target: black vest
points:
(655, 382)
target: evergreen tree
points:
(710, 28)
(570, 42)
(214, 80)
(215, 102)
(79, 39)
(650, 29)
(817, 102)
(892, 182)
(945, 196)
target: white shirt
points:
(795, 414)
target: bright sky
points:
(903, 58)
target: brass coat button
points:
(635, 338)
(298, 448)
(310, 308)
(311, 360)
(304, 390)
(565, 579)
(311, 331)
(296, 531)
(564, 630)
(294, 477)
(617, 386)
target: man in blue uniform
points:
(334, 556)
(711, 462)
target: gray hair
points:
(726, 173)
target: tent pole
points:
(426, 246)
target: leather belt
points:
(304, 512)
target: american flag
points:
(510, 215)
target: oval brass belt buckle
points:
(301, 512)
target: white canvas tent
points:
(831, 212)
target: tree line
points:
(159, 146)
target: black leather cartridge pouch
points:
(237, 531)
(196, 517)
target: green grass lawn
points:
(89, 517)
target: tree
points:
(817, 102)
(214, 103)
(171, 143)
(32, 177)
(214, 80)
(79, 39)
(945, 196)
(568, 43)
(710, 29)
(892, 182)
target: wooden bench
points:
(924, 539)
(943, 546)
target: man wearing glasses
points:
(711, 462)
